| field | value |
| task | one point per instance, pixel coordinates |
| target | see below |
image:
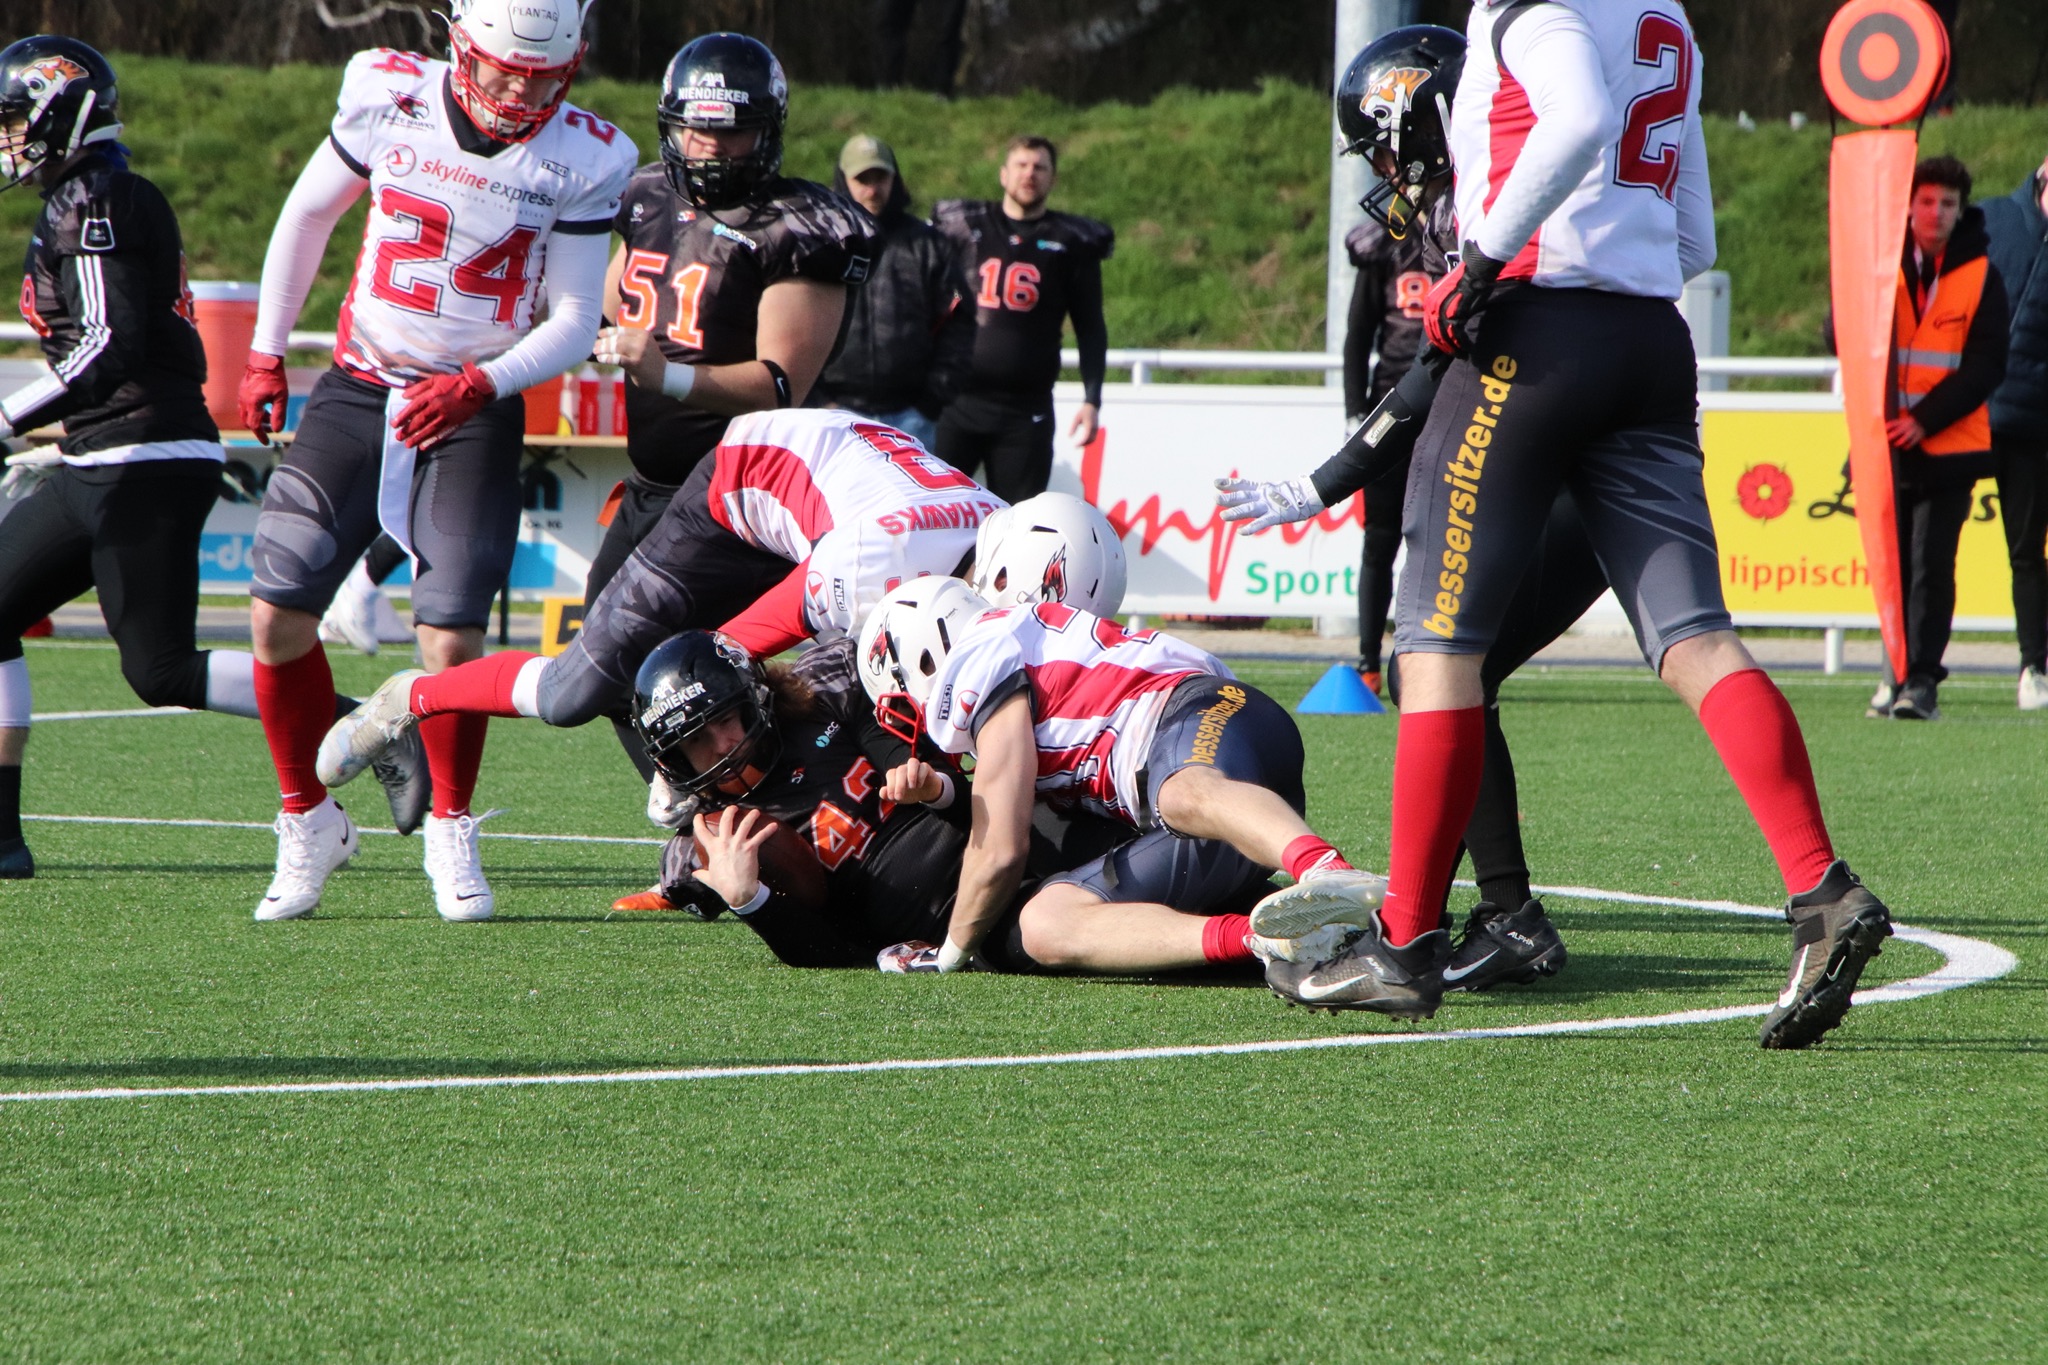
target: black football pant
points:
(1008, 438)
(1376, 563)
(1562, 582)
(131, 531)
(641, 503)
(2023, 505)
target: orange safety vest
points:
(1929, 349)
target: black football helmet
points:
(689, 681)
(56, 95)
(720, 83)
(1394, 108)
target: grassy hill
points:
(1219, 200)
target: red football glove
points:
(435, 407)
(1458, 299)
(261, 400)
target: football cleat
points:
(1836, 928)
(16, 862)
(402, 771)
(456, 869)
(1498, 948)
(309, 848)
(1369, 974)
(351, 618)
(906, 959)
(1881, 701)
(359, 738)
(1345, 896)
(650, 899)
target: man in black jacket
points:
(909, 334)
(2018, 230)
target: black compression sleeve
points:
(1368, 297)
(1384, 441)
(1091, 333)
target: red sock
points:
(1438, 757)
(481, 687)
(1223, 938)
(296, 703)
(1311, 853)
(1757, 736)
(455, 754)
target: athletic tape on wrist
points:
(678, 379)
(952, 957)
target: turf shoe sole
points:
(401, 770)
(360, 738)
(1836, 928)
(1369, 974)
(1343, 896)
(1499, 948)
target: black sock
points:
(10, 803)
(1494, 834)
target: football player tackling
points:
(1583, 202)
(487, 191)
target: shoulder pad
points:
(1088, 236)
(1363, 240)
(959, 217)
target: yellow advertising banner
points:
(1784, 515)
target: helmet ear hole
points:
(926, 664)
(1002, 578)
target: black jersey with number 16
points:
(695, 277)
(1027, 277)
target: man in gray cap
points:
(909, 336)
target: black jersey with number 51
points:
(694, 277)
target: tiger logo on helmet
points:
(1387, 102)
(51, 75)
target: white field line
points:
(44, 717)
(267, 827)
(1966, 962)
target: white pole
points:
(1358, 22)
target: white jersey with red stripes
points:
(1580, 155)
(456, 241)
(861, 506)
(1096, 689)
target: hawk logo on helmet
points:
(878, 652)
(1388, 102)
(1053, 587)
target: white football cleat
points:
(2033, 690)
(1338, 896)
(309, 848)
(453, 865)
(360, 738)
(351, 618)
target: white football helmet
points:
(1051, 548)
(906, 640)
(494, 41)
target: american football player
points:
(120, 502)
(487, 191)
(1583, 202)
(1061, 706)
(728, 286)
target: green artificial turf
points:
(1670, 1194)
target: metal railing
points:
(1142, 362)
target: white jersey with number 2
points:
(1580, 156)
(455, 245)
(1096, 693)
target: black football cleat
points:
(1368, 973)
(402, 771)
(1836, 928)
(1499, 948)
(16, 862)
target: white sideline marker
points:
(1966, 962)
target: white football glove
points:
(1267, 504)
(27, 470)
(668, 807)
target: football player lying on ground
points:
(1383, 111)
(798, 522)
(120, 502)
(1061, 706)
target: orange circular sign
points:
(1882, 60)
